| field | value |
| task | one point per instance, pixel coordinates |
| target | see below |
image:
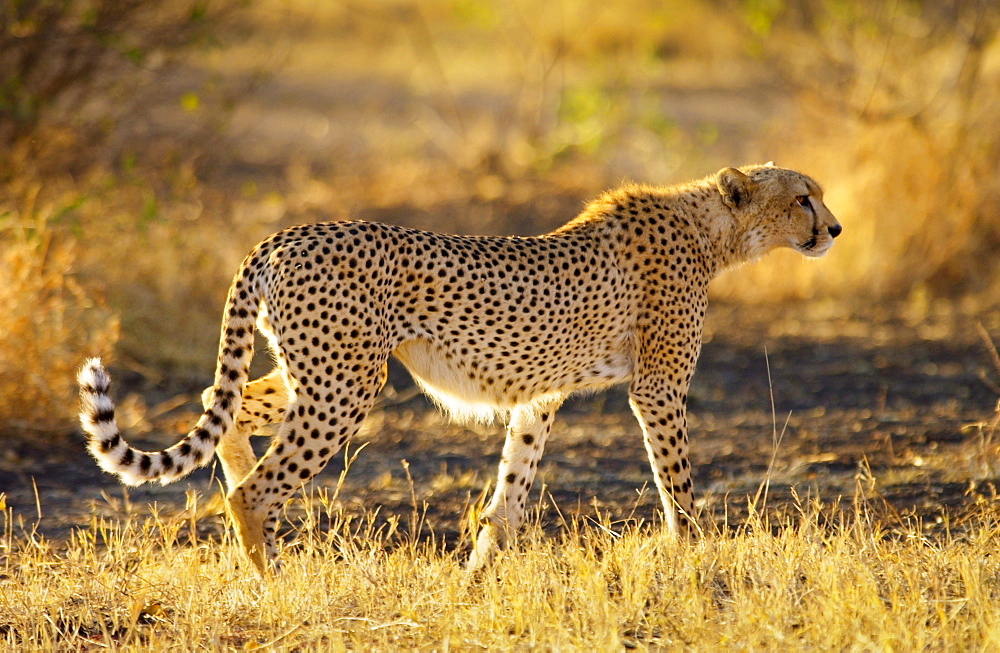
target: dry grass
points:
(825, 578)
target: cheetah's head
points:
(776, 207)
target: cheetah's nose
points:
(834, 230)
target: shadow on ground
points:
(876, 407)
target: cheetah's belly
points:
(461, 390)
(449, 386)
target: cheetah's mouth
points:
(811, 247)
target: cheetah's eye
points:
(803, 201)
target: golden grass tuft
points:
(827, 578)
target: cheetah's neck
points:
(724, 241)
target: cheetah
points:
(486, 325)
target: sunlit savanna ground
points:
(844, 432)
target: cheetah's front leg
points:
(663, 419)
(526, 434)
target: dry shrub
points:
(897, 118)
(48, 322)
(63, 50)
(69, 70)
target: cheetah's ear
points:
(735, 187)
(769, 164)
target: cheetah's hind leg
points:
(314, 429)
(264, 402)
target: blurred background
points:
(145, 147)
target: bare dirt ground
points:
(885, 405)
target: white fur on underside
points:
(465, 400)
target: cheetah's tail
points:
(133, 466)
